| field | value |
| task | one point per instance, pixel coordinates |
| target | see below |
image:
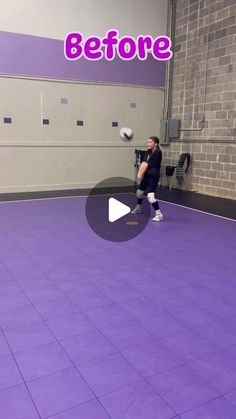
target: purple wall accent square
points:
(45, 121)
(80, 123)
(7, 120)
(64, 101)
(115, 124)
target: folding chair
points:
(139, 157)
(179, 172)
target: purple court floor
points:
(90, 329)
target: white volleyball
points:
(126, 134)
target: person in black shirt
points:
(148, 178)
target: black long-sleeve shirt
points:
(153, 159)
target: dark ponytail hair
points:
(155, 139)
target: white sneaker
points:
(137, 210)
(158, 216)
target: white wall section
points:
(55, 18)
(63, 155)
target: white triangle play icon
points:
(117, 210)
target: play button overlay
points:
(108, 210)
(117, 210)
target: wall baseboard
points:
(60, 187)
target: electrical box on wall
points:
(164, 140)
(169, 128)
(173, 128)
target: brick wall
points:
(204, 83)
